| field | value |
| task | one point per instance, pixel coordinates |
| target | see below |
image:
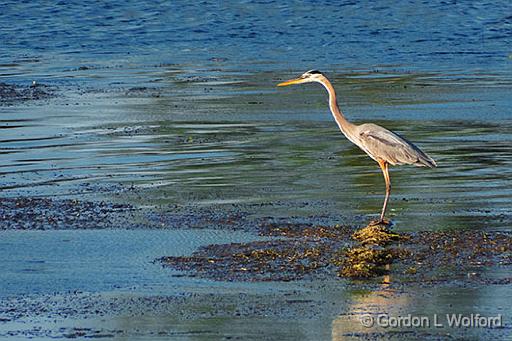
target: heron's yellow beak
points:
(292, 81)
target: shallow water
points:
(248, 143)
(99, 260)
(177, 101)
(104, 283)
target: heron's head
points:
(306, 77)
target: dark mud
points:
(34, 213)
(55, 214)
(176, 216)
(20, 94)
(11, 94)
(88, 306)
(322, 252)
(170, 315)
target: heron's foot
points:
(383, 222)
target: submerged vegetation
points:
(330, 252)
(373, 255)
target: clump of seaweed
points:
(372, 257)
(306, 251)
(261, 261)
(365, 261)
(442, 255)
(376, 235)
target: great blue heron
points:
(382, 145)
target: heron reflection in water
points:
(382, 145)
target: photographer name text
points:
(432, 321)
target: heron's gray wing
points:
(383, 144)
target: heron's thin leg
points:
(385, 170)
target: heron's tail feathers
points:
(426, 161)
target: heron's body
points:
(381, 144)
(390, 147)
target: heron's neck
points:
(345, 126)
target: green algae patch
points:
(301, 251)
(373, 255)
(280, 260)
(376, 235)
(365, 262)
